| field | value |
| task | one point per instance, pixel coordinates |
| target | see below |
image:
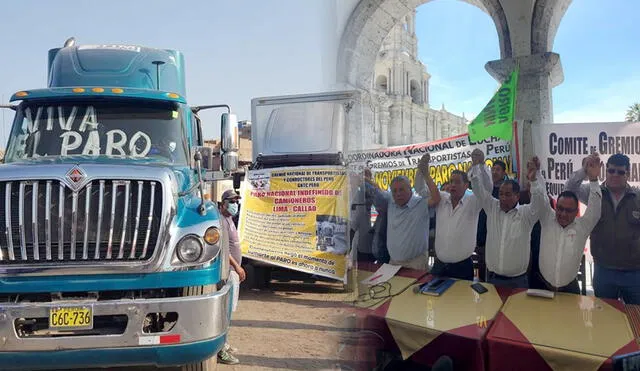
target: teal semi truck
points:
(110, 252)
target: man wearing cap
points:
(229, 208)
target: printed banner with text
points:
(447, 155)
(297, 217)
(561, 148)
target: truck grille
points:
(44, 221)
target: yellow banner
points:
(441, 173)
(297, 217)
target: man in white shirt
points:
(564, 235)
(457, 215)
(407, 223)
(509, 228)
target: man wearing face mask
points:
(229, 209)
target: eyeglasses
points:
(565, 210)
(613, 171)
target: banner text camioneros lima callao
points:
(447, 155)
(297, 218)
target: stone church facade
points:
(400, 94)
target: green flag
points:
(496, 119)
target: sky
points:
(242, 49)
(234, 50)
(598, 44)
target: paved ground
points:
(291, 326)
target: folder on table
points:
(437, 289)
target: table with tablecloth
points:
(422, 328)
(369, 309)
(568, 332)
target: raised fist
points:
(423, 165)
(533, 166)
(593, 168)
(477, 157)
(594, 157)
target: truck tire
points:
(263, 277)
(210, 364)
(250, 271)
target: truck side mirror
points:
(229, 145)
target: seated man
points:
(564, 234)
(407, 221)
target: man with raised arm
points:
(457, 215)
(407, 221)
(564, 234)
(509, 227)
(615, 240)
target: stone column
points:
(384, 125)
(395, 124)
(539, 74)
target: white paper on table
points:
(383, 274)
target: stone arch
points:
(547, 15)
(372, 20)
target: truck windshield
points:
(132, 130)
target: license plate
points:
(71, 318)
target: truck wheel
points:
(263, 274)
(210, 364)
(251, 281)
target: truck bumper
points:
(198, 333)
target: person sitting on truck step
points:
(407, 221)
(228, 209)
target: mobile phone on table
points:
(477, 287)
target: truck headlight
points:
(189, 249)
(212, 236)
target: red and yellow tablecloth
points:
(423, 328)
(365, 297)
(369, 310)
(568, 332)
